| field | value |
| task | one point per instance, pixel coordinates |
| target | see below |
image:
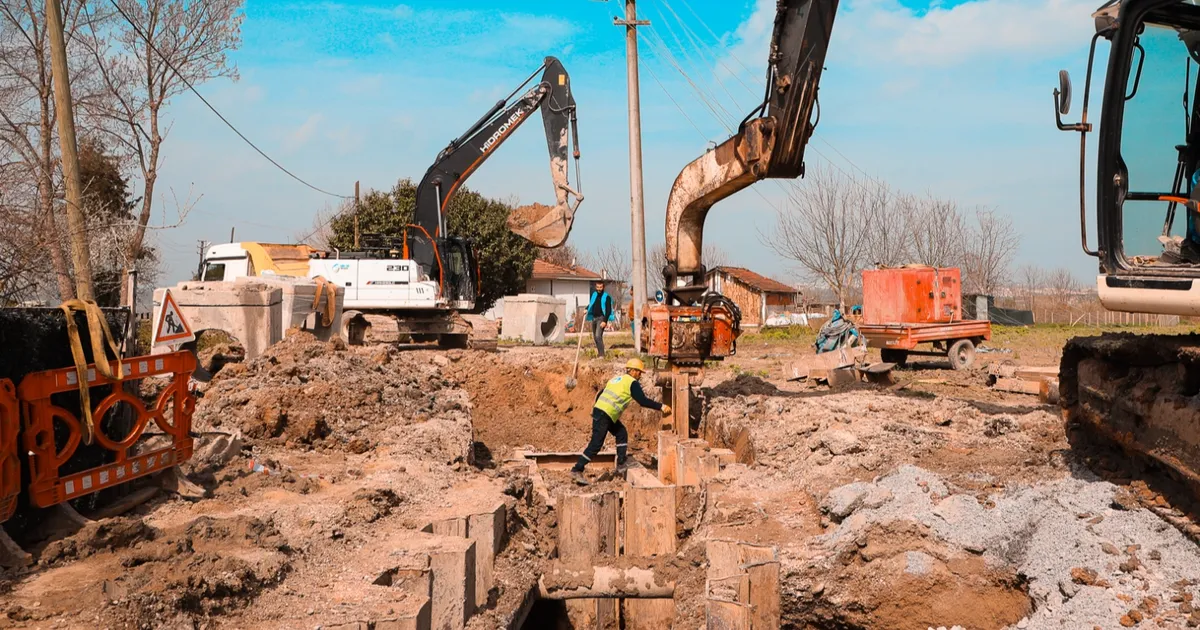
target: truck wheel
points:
(899, 357)
(458, 341)
(962, 354)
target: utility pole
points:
(637, 201)
(356, 206)
(76, 223)
(200, 249)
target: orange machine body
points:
(689, 335)
(912, 295)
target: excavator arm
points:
(544, 225)
(769, 144)
(696, 325)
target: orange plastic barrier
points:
(46, 487)
(10, 464)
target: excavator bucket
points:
(542, 225)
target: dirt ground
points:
(943, 503)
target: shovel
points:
(571, 382)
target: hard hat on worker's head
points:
(635, 364)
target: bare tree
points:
(888, 218)
(320, 234)
(990, 245)
(937, 231)
(823, 230)
(1062, 286)
(188, 41)
(1032, 279)
(28, 121)
(565, 255)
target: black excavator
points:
(449, 261)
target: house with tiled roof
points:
(758, 296)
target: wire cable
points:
(150, 45)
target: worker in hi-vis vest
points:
(606, 417)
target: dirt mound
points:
(305, 393)
(97, 536)
(518, 403)
(743, 385)
(898, 576)
(370, 505)
(826, 440)
(213, 565)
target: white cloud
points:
(884, 32)
(300, 137)
(386, 41)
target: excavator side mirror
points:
(1062, 96)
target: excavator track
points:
(1132, 410)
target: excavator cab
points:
(1148, 170)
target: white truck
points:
(381, 286)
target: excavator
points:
(692, 324)
(1139, 394)
(426, 278)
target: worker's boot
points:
(578, 478)
(622, 467)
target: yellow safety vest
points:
(616, 396)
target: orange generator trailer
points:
(908, 306)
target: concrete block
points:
(487, 529)
(539, 319)
(298, 307)
(419, 617)
(649, 614)
(721, 615)
(694, 463)
(667, 464)
(251, 312)
(452, 564)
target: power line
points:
(150, 45)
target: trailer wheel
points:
(899, 357)
(961, 354)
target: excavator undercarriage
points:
(1132, 408)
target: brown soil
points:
(348, 450)
(953, 589)
(306, 393)
(519, 400)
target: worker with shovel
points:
(606, 417)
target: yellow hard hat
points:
(635, 364)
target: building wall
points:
(748, 300)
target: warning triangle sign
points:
(170, 327)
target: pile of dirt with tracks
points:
(305, 393)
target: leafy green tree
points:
(505, 259)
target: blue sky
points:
(948, 98)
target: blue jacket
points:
(605, 306)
